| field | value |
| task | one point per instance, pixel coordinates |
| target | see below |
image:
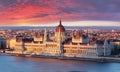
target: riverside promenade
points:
(94, 59)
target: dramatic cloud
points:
(19, 12)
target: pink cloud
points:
(48, 11)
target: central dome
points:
(60, 28)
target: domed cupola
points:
(60, 28)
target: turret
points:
(45, 35)
(60, 43)
(107, 50)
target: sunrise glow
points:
(49, 12)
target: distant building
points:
(2, 43)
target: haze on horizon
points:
(49, 12)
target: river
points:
(22, 64)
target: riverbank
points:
(93, 59)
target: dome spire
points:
(61, 27)
(60, 22)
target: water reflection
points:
(21, 64)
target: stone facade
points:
(59, 47)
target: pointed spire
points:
(45, 35)
(59, 36)
(60, 22)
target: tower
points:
(60, 28)
(45, 35)
(107, 49)
(23, 46)
(60, 43)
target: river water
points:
(22, 64)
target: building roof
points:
(78, 36)
(38, 35)
(60, 27)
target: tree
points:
(115, 50)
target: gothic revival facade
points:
(78, 46)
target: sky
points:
(49, 12)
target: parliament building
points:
(78, 46)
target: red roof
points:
(38, 35)
(60, 27)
